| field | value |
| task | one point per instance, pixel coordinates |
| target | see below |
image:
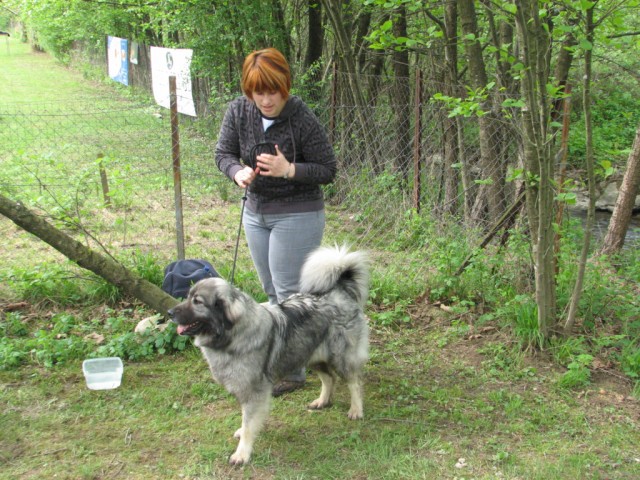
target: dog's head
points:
(209, 312)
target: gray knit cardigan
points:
(299, 134)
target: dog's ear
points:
(233, 305)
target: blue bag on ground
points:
(179, 276)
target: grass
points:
(444, 398)
(427, 407)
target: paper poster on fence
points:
(166, 62)
(133, 53)
(118, 59)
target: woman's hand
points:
(245, 176)
(275, 165)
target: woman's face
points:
(269, 103)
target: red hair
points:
(266, 71)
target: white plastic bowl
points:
(103, 373)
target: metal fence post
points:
(417, 140)
(333, 104)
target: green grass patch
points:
(431, 412)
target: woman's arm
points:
(227, 154)
(319, 164)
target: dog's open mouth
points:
(188, 329)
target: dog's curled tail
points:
(325, 268)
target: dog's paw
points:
(318, 404)
(355, 414)
(239, 458)
(238, 433)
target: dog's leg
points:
(254, 414)
(328, 386)
(355, 388)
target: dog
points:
(250, 346)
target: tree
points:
(492, 190)
(589, 160)
(343, 40)
(534, 42)
(316, 35)
(101, 265)
(402, 112)
(619, 223)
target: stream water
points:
(632, 239)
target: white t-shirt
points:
(267, 122)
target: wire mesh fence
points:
(101, 166)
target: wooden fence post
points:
(104, 181)
(177, 179)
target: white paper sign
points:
(166, 62)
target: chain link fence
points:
(102, 167)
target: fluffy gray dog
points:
(250, 346)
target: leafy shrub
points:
(616, 117)
(47, 283)
(133, 346)
(578, 374)
(630, 359)
(521, 314)
(67, 337)
(13, 325)
(391, 314)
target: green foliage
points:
(470, 105)
(391, 313)
(521, 313)
(147, 266)
(578, 374)
(67, 337)
(13, 325)
(49, 283)
(565, 349)
(133, 346)
(617, 117)
(630, 358)
(505, 362)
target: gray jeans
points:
(279, 245)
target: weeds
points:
(578, 374)
(69, 337)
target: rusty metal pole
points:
(177, 179)
(334, 103)
(417, 141)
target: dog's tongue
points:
(181, 329)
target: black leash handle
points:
(259, 149)
(235, 254)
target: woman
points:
(271, 144)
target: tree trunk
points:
(491, 163)
(450, 124)
(334, 12)
(280, 28)
(588, 123)
(564, 61)
(316, 34)
(102, 266)
(534, 41)
(623, 210)
(361, 45)
(402, 109)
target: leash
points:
(257, 149)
